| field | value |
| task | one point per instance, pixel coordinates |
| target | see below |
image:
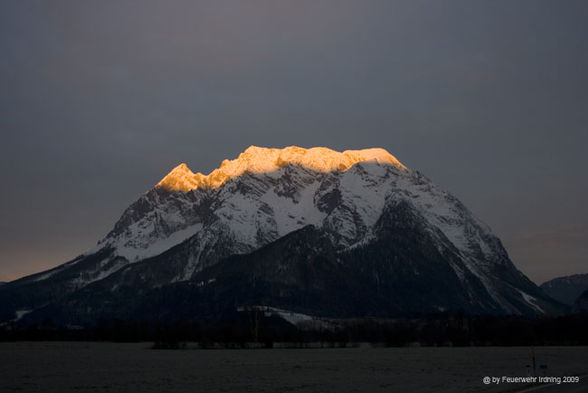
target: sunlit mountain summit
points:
(312, 231)
(265, 160)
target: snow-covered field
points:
(110, 367)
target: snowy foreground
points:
(110, 367)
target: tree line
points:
(447, 329)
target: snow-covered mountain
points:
(257, 198)
(342, 207)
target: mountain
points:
(581, 303)
(566, 289)
(312, 231)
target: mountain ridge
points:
(260, 159)
(376, 210)
(566, 289)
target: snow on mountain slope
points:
(265, 194)
(364, 206)
(262, 195)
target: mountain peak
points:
(181, 178)
(262, 160)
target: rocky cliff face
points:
(295, 228)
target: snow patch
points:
(532, 301)
(100, 273)
(134, 252)
(21, 313)
(289, 215)
(301, 321)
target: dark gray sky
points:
(99, 99)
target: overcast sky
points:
(100, 99)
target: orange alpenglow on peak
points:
(262, 160)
